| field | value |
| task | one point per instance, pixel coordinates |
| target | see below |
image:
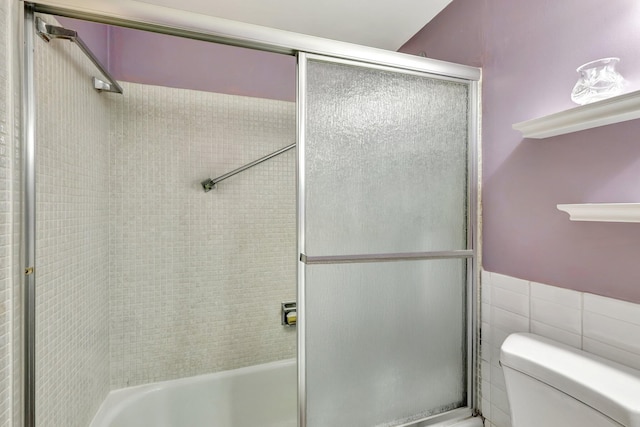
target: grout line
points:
(612, 318)
(530, 306)
(613, 346)
(581, 320)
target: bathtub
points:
(262, 395)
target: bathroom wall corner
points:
(607, 327)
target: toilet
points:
(550, 384)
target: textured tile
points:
(613, 332)
(485, 348)
(510, 283)
(485, 408)
(485, 291)
(621, 310)
(557, 315)
(485, 312)
(557, 334)
(485, 379)
(499, 399)
(486, 390)
(72, 216)
(497, 377)
(499, 418)
(612, 353)
(197, 278)
(508, 322)
(514, 302)
(495, 350)
(149, 276)
(564, 297)
(9, 218)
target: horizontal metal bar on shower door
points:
(210, 184)
(408, 256)
(49, 32)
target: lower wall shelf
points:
(603, 212)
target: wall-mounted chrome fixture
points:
(210, 183)
(289, 314)
(49, 32)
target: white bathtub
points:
(262, 395)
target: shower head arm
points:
(210, 183)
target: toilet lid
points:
(609, 387)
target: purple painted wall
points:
(156, 59)
(96, 36)
(529, 51)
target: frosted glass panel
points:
(386, 161)
(385, 342)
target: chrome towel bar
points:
(49, 32)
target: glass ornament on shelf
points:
(598, 80)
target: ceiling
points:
(383, 24)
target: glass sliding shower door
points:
(384, 241)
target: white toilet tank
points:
(550, 384)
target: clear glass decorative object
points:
(598, 80)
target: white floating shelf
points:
(604, 212)
(608, 111)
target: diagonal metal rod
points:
(49, 32)
(210, 184)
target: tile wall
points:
(16, 172)
(5, 222)
(141, 275)
(72, 215)
(8, 172)
(604, 326)
(197, 278)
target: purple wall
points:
(156, 59)
(529, 51)
(96, 36)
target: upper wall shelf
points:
(604, 212)
(608, 111)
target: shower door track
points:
(148, 17)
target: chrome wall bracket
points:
(101, 85)
(48, 32)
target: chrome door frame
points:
(470, 253)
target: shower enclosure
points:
(384, 243)
(386, 211)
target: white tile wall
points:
(603, 326)
(612, 329)
(72, 357)
(12, 53)
(7, 227)
(556, 313)
(141, 275)
(197, 278)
